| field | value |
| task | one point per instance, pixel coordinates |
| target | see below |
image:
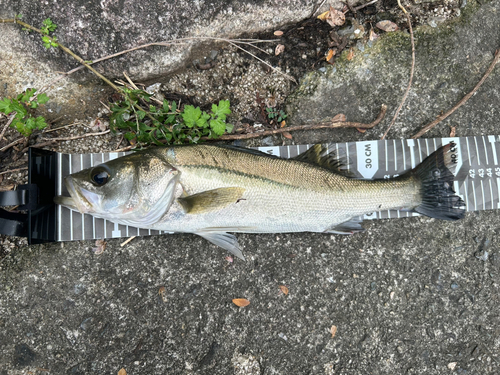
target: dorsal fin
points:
(319, 155)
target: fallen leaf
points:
(339, 118)
(287, 135)
(387, 26)
(361, 130)
(283, 124)
(241, 302)
(331, 52)
(453, 131)
(333, 331)
(335, 17)
(278, 33)
(100, 247)
(323, 15)
(372, 35)
(122, 372)
(350, 54)
(279, 48)
(284, 289)
(163, 293)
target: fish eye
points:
(100, 175)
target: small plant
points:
(23, 121)
(166, 123)
(47, 28)
(274, 114)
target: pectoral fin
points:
(225, 240)
(211, 200)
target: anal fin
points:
(348, 227)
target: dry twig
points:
(429, 126)
(14, 170)
(77, 136)
(411, 71)
(323, 125)
(127, 241)
(9, 121)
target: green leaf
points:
(27, 95)
(19, 108)
(218, 126)
(141, 114)
(49, 25)
(170, 119)
(222, 108)
(40, 123)
(6, 106)
(229, 128)
(34, 105)
(129, 136)
(174, 106)
(202, 122)
(165, 106)
(191, 115)
(42, 98)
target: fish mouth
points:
(79, 200)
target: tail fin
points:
(438, 197)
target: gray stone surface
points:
(94, 29)
(408, 296)
(450, 60)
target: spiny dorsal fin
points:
(211, 200)
(319, 155)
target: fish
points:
(216, 191)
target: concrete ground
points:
(407, 296)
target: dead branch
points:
(14, 170)
(9, 121)
(411, 71)
(76, 136)
(429, 126)
(323, 125)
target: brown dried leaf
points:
(453, 131)
(241, 302)
(350, 54)
(339, 118)
(287, 135)
(100, 247)
(333, 331)
(387, 26)
(279, 49)
(284, 289)
(323, 15)
(163, 293)
(372, 35)
(278, 33)
(361, 130)
(335, 17)
(331, 52)
(283, 124)
(122, 372)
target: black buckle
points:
(38, 224)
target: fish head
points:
(136, 189)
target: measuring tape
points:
(477, 176)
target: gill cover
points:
(136, 189)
